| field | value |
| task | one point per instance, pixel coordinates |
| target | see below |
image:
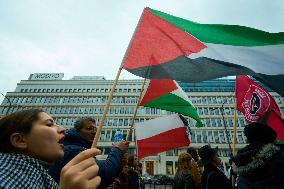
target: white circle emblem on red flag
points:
(256, 103)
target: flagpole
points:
(235, 128)
(135, 112)
(106, 109)
(234, 138)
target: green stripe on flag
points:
(176, 104)
(280, 141)
(224, 34)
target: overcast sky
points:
(90, 37)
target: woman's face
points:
(44, 141)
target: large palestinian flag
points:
(168, 47)
(168, 95)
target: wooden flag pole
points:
(235, 128)
(94, 145)
(135, 112)
(234, 139)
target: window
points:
(204, 136)
(198, 137)
(216, 137)
(210, 136)
(240, 138)
(169, 168)
(208, 123)
(222, 137)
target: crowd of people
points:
(259, 165)
(37, 153)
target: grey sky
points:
(90, 37)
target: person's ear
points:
(19, 140)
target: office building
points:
(85, 96)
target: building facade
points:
(86, 96)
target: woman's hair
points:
(80, 123)
(185, 162)
(193, 152)
(18, 122)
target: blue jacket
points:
(74, 143)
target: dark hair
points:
(259, 133)
(193, 152)
(18, 122)
(131, 160)
(79, 124)
(207, 154)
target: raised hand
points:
(81, 172)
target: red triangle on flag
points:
(158, 88)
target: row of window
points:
(71, 110)
(69, 122)
(197, 100)
(217, 137)
(123, 121)
(81, 90)
(91, 109)
(69, 100)
(177, 152)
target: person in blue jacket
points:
(79, 139)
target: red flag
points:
(277, 124)
(252, 100)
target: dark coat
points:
(183, 180)
(133, 182)
(213, 178)
(74, 143)
(260, 166)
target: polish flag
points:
(160, 135)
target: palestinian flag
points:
(168, 95)
(168, 47)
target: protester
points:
(193, 152)
(260, 164)
(212, 176)
(133, 173)
(121, 181)
(141, 179)
(80, 138)
(30, 140)
(184, 177)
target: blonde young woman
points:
(187, 175)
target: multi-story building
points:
(67, 100)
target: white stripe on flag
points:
(156, 126)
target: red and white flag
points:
(252, 100)
(159, 135)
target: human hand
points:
(123, 145)
(81, 172)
